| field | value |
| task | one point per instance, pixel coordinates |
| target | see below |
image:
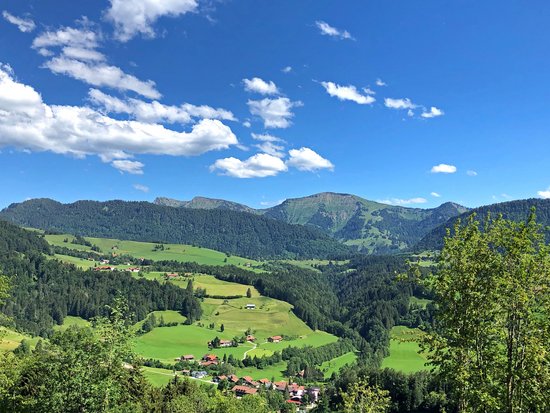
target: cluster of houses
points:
(111, 268)
(246, 385)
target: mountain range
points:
(368, 226)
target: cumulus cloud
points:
(471, 173)
(432, 113)
(131, 167)
(399, 103)
(544, 194)
(132, 17)
(380, 82)
(305, 159)
(443, 169)
(79, 59)
(435, 195)
(347, 93)
(276, 113)
(154, 112)
(269, 144)
(141, 188)
(327, 30)
(24, 25)
(101, 74)
(286, 69)
(27, 123)
(257, 166)
(257, 85)
(399, 201)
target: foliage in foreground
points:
(491, 340)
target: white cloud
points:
(399, 103)
(257, 85)
(435, 195)
(131, 167)
(398, 201)
(81, 53)
(276, 113)
(153, 112)
(328, 30)
(266, 137)
(471, 173)
(286, 69)
(101, 74)
(247, 124)
(132, 17)
(67, 36)
(544, 194)
(257, 166)
(271, 149)
(369, 91)
(380, 82)
(24, 25)
(432, 113)
(443, 168)
(305, 159)
(27, 123)
(141, 188)
(347, 93)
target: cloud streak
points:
(349, 92)
(328, 30)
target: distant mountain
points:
(514, 210)
(366, 225)
(200, 202)
(233, 232)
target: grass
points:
(422, 302)
(157, 377)
(269, 372)
(334, 365)
(10, 339)
(405, 351)
(72, 321)
(314, 339)
(176, 252)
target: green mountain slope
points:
(514, 210)
(228, 231)
(367, 225)
(200, 202)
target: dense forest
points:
(513, 210)
(232, 232)
(44, 291)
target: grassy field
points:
(10, 340)
(271, 317)
(176, 252)
(423, 302)
(72, 321)
(270, 372)
(334, 365)
(404, 351)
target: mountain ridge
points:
(366, 225)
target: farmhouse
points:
(249, 381)
(241, 391)
(275, 339)
(250, 338)
(250, 306)
(104, 268)
(187, 357)
(217, 379)
(135, 269)
(265, 382)
(171, 275)
(226, 343)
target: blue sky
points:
(412, 103)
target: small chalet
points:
(241, 391)
(210, 357)
(135, 269)
(217, 379)
(186, 372)
(104, 268)
(187, 357)
(280, 385)
(208, 363)
(265, 382)
(249, 381)
(250, 306)
(233, 378)
(226, 343)
(250, 338)
(171, 275)
(275, 339)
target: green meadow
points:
(176, 252)
(10, 340)
(334, 365)
(405, 351)
(72, 321)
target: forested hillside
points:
(44, 291)
(366, 225)
(513, 210)
(228, 231)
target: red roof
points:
(264, 381)
(276, 338)
(244, 390)
(210, 357)
(233, 378)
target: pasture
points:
(175, 252)
(334, 365)
(405, 351)
(10, 339)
